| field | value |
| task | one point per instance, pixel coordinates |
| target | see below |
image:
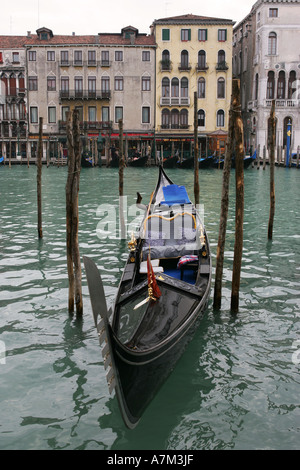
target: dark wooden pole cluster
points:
(196, 163)
(121, 179)
(39, 178)
(235, 141)
(272, 167)
(72, 213)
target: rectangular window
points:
(92, 87)
(33, 115)
(166, 35)
(145, 115)
(91, 57)
(202, 34)
(64, 57)
(78, 87)
(146, 56)
(77, 57)
(51, 83)
(104, 58)
(32, 83)
(16, 58)
(222, 35)
(92, 114)
(65, 83)
(118, 83)
(118, 113)
(52, 115)
(32, 56)
(185, 35)
(146, 83)
(105, 113)
(119, 56)
(51, 56)
(273, 12)
(64, 113)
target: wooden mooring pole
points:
(272, 167)
(121, 180)
(224, 212)
(196, 163)
(72, 213)
(239, 188)
(39, 178)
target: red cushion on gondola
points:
(187, 259)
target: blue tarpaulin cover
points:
(175, 195)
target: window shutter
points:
(189, 36)
(206, 35)
(225, 34)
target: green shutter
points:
(189, 35)
(225, 34)
(166, 34)
(206, 35)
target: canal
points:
(237, 385)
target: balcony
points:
(222, 66)
(87, 126)
(184, 67)
(282, 103)
(84, 95)
(201, 67)
(175, 101)
(165, 66)
(84, 63)
(174, 126)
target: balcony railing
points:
(85, 63)
(167, 101)
(222, 66)
(202, 67)
(84, 95)
(184, 67)
(174, 126)
(88, 125)
(283, 103)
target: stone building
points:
(194, 54)
(266, 59)
(13, 115)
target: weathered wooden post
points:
(39, 178)
(72, 213)
(9, 154)
(121, 180)
(239, 188)
(196, 162)
(272, 166)
(224, 212)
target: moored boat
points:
(163, 293)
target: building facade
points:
(194, 54)
(13, 98)
(266, 59)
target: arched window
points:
(174, 119)
(184, 62)
(165, 119)
(165, 87)
(272, 44)
(21, 83)
(221, 88)
(184, 119)
(221, 59)
(201, 60)
(175, 87)
(201, 118)
(220, 118)
(201, 87)
(270, 85)
(165, 60)
(184, 87)
(281, 85)
(292, 86)
(12, 85)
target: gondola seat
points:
(188, 262)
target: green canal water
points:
(237, 385)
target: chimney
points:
(29, 34)
(73, 34)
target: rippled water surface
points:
(237, 385)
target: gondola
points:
(138, 161)
(86, 162)
(163, 293)
(1, 160)
(171, 162)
